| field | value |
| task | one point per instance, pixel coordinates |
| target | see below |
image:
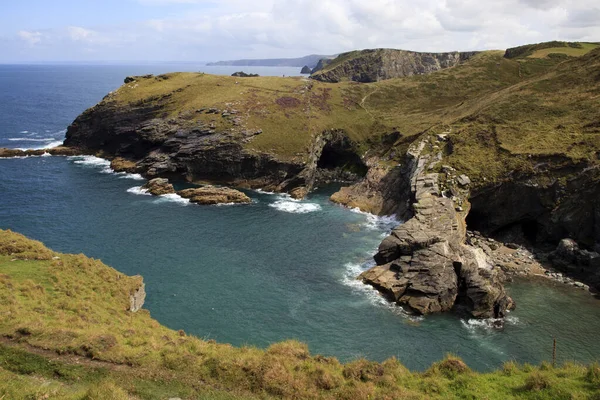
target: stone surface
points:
(159, 186)
(120, 164)
(425, 265)
(214, 195)
(137, 298)
(379, 64)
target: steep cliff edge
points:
(381, 64)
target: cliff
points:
(381, 64)
(68, 331)
(522, 132)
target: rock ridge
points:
(381, 64)
(425, 264)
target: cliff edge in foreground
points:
(69, 329)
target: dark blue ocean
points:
(253, 274)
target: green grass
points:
(75, 339)
(504, 114)
(569, 51)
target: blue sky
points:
(205, 30)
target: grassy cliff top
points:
(502, 114)
(66, 333)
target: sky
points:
(211, 30)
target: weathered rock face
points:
(137, 298)
(159, 187)
(425, 265)
(214, 195)
(172, 148)
(581, 263)
(306, 70)
(541, 210)
(381, 64)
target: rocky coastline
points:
(448, 255)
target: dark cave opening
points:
(524, 231)
(339, 154)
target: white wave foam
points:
(92, 161)
(378, 223)
(46, 154)
(125, 175)
(139, 191)
(294, 206)
(172, 197)
(263, 191)
(18, 139)
(23, 132)
(488, 324)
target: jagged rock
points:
(299, 192)
(306, 70)
(159, 186)
(425, 265)
(463, 180)
(137, 298)
(214, 195)
(584, 264)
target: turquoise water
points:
(250, 274)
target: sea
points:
(249, 275)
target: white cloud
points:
(32, 38)
(225, 29)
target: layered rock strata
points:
(425, 264)
(380, 64)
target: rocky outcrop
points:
(159, 187)
(242, 74)
(177, 149)
(380, 64)
(570, 258)
(425, 264)
(306, 70)
(137, 298)
(214, 195)
(122, 165)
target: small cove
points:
(254, 274)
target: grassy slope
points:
(67, 334)
(503, 114)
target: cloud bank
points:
(211, 30)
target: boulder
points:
(214, 195)
(159, 186)
(123, 165)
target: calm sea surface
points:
(254, 274)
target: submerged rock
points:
(54, 151)
(214, 195)
(159, 186)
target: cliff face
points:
(382, 64)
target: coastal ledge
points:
(54, 151)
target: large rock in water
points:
(214, 195)
(425, 265)
(159, 186)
